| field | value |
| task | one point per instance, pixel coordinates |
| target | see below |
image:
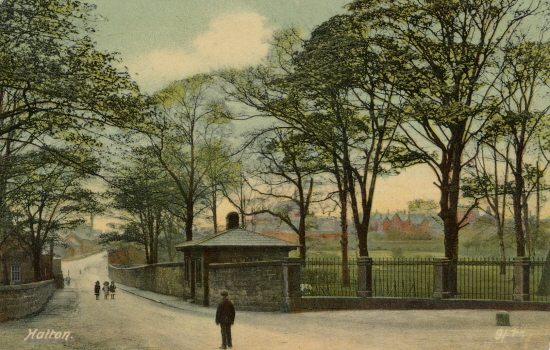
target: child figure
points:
(106, 289)
(97, 288)
(112, 289)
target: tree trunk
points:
(502, 217)
(341, 182)
(214, 209)
(189, 222)
(302, 243)
(526, 226)
(362, 231)
(344, 244)
(147, 255)
(450, 227)
(155, 241)
(37, 264)
(518, 217)
(450, 167)
(345, 231)
(536, 228)
(243, 219)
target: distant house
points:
(16, 265)
(80, 242)
(75, 244)
(406, 224)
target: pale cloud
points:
(233, 40)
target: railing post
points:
(292, 271)
(521, 278)
(364, 277)
(441, 279)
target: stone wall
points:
(22, 300)
(351, 303)
(252, 286)
(159, 278)
(270, 286)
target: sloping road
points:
(144, 320)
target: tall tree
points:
(488, 180)
(142, 192)
(52, 79)
(450, 49)
(55, 86)
(48, 196)
(329, 89)
(189, 118)
(223, 173)
(525, 74)
(285, 170)
(244, 198)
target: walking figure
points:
(97, 288)
(225, 316)
(112, 289)
(106, 289)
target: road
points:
(144, 320)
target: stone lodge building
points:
(229, 258)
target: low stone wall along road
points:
(135, 320)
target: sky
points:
(165, 40)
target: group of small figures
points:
(108, 289)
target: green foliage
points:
(458, 56)
(129, 232)
(45, 194)
(195, 98)
(482, 186)
(144, 195)
(480, 239)
(222, 170)
(422, 206)
(52, 79)
(188, 140)
(56, 89)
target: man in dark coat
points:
(225, 316)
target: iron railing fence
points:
(477, 278)
(493, 279)
(327, 277)
(485, 279)
(402, 277)
(537, 280)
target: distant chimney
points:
(232, 220)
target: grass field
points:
(432, 248)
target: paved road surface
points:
(144, 320)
